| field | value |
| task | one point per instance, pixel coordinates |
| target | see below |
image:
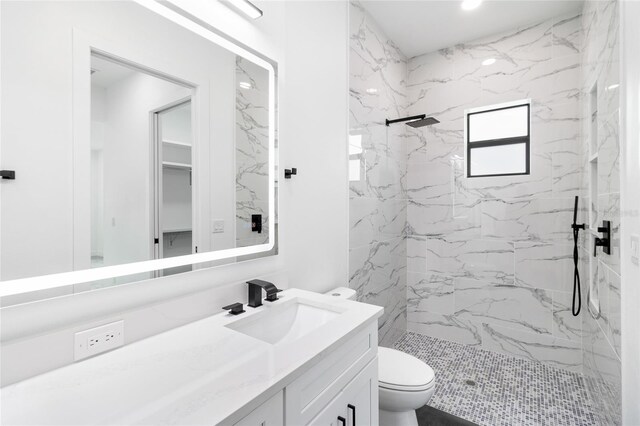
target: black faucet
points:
(255, 292)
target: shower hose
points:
(575, 310)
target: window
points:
(498, 140)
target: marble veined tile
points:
(565, 325)
(429, 68)
(538, 219)
(380, 176)
(388, 141)
(550, 81)
(429, 293)
(416, 253)
(373, 219)
(429, 180)
(377, 272)
(566, 173)
(615, 305)
(521, 47)
(514, 307)
(377, 72)
(447, 327)
(416, 145)
(547, 349)
(556, 127)
(375, 269)
(536, 185)
(487, 260)
(542, 264)
(252, 152)
(446, 102)
(444, 217)
(609, 156)
(601, 361)
(567, 35)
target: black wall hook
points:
(8, 174)
(290, 172)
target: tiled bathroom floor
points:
(503, 390)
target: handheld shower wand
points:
(576, 273)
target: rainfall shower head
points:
(415, 121)
(428, 121)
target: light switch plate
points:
(218, 226)
(635, 249)
(99, 339)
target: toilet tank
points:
(343, 293)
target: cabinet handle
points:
(342, 420)
(353, 417)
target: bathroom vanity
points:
(303, 359)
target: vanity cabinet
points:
(269, 413)
(348, 375)
(355, 405)
(340, 389)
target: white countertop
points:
(200, 373)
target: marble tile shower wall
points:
(377, 165)
(252, 151)
(489, 259)
(600, 71)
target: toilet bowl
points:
(404, 382)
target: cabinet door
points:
(356, 404)
(332, 414)
(360, 397)
(271, 413)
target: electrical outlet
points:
(99, 339)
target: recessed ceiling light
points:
(613, 87)
(372, 90)
(246, 7)
(470, 4)
(489, 61)
(244, 85)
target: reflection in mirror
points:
(150, 146)
(252, 153)
(140, 144)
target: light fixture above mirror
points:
(247, 8)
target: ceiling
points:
(105, 73)
(419, 27)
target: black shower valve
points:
(605, 241)
(290, 172)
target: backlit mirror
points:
(137, 153)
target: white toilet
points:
(404, 382)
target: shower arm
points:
(400, 120)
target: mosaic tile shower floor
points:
(507, 390)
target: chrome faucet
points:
(255, 292)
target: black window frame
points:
(502, 141)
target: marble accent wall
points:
(601, 128)
(252, 151)
(377, 167)
(489, 260)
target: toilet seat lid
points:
(401, 371)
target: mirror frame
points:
(64, 279)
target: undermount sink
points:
(285, 321)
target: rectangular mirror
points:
(138, 153)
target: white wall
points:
(309, 43)
(127, 160)
(630, 208)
